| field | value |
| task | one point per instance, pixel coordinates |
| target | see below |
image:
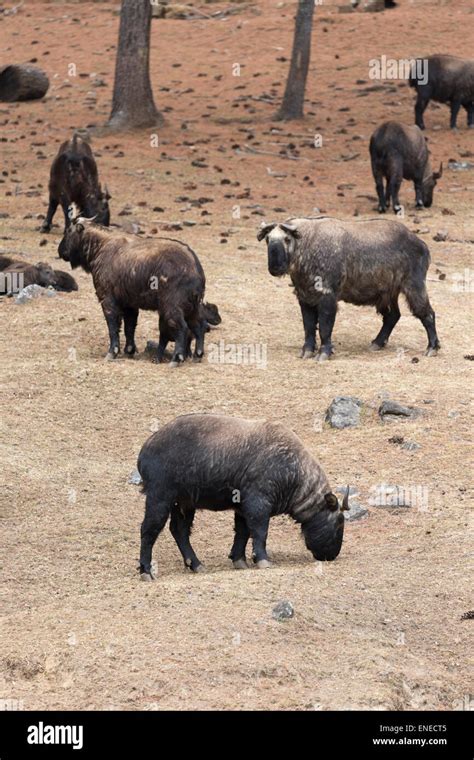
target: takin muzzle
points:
(278, 261)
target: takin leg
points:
(455, 108)
(390, 316)
(470, 115)
(180, 330)
(180, 527)
(256, 513)
(242, 535)
(156, 514)
(310, 321)
(394, 189)
(53, 204)
(327, 316)
(199, 332)
(378, 177)
(130, 318)
(420, 307)
(420, 108)
(113, 317)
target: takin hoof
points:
(147, 577)
(198, 569)
(130, 351)
(306, 353)
(322, 356)
(262, 564)
(45, 228)
(110, 357)
(197, 359)
(240, 564)
(430, 351)
(376, 346)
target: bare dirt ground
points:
(380, 628)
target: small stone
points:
(344, 412)
(441, 236)
(411, 446)
(392, 409)
(283, 611)
(355, 511)
(135, 479)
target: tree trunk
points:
(133, 106)
(293, 99)
(22, 83)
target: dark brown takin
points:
(130, 274)
(445, 79)
(74, 178)
(398, 152)
(256, 468)
(366, 263)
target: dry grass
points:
(379, 628)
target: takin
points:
(74, 179)
(210, 315)
(15, 275)
(129, 274)
(366, 263)
(39, 274)
(449, 80)
(256, 468)
(398, 152)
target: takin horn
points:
(345, 501)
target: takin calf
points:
(367, 263)
(129, 274)
(74, 179)
(39, 274)
(15, 275)
(210, 316)
(256, 468)
(450, 80)
(398, 152)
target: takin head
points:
(71, 247)
(429, 184)
(324, 531)
(281, 242)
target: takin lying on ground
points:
(449, 80)
(398, 152)
(18, 274)
(129, 274)
(74, 179)
(256, 468)
(360, 262)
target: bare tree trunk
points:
(293, 99)
(133, 106)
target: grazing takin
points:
(129, 274)
(256, 468)
(398, 152)
(74, 179)
(367, 263)
(450, 80)
(15, 275)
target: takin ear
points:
(331, 501)
(265, 229)
(292, 230)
